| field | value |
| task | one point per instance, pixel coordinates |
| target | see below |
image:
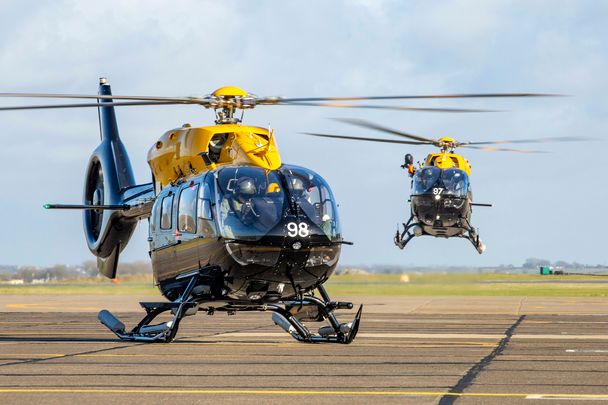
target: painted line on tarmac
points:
(569, 397)
(87, 333)
(567, 322)
(55, 307)
(377, 335)
(9, 356)
(45, 355)
(35, 323)
(480, 336)
(299, 392)
(475, 336)
(585, 351)
(559, 337)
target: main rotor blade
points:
(502, 149)
(388, 107)
(371, 125)
(356, 138)
(539, 140)
(442, 96)
(194, 100)
(81, 105)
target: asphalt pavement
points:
(409, 350)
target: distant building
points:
(352, 271)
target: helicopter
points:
(441, 200)
(231, 227)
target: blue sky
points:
(549, 205)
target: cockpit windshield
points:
(455, 182)
(250, 201)
(433, 180)
(313, 198)
(425, 179)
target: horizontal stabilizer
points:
(85, 207)
(482, 205)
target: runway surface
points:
(409, 350)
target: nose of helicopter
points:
(296, 240)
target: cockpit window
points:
(455, 182)
(250, 201)
(433, 180)
(425, 179)
(314, 198)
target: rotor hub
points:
(229, 91)
(446, 143)
(228, 99)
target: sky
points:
(545, 205)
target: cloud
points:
(307, 49)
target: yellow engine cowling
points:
(445, 160)
(184, 151)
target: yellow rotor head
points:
(230, 91)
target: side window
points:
(166, 210)
(204, 208)
(186, 211)
(154, 215)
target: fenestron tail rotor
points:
(445, 143)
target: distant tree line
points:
(529, 264)
(61, 272)
(88, 270)
(535, 263)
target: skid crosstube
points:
(287, 314)
(401, 239)
(162, 332)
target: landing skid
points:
(473, 237)
(412, 229)
(335, 332)
(286, 314)
(402, 238)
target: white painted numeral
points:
(437, 190)
(303, 229)
(300, 229)
(292, 229)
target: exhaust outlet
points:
(110, 321)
